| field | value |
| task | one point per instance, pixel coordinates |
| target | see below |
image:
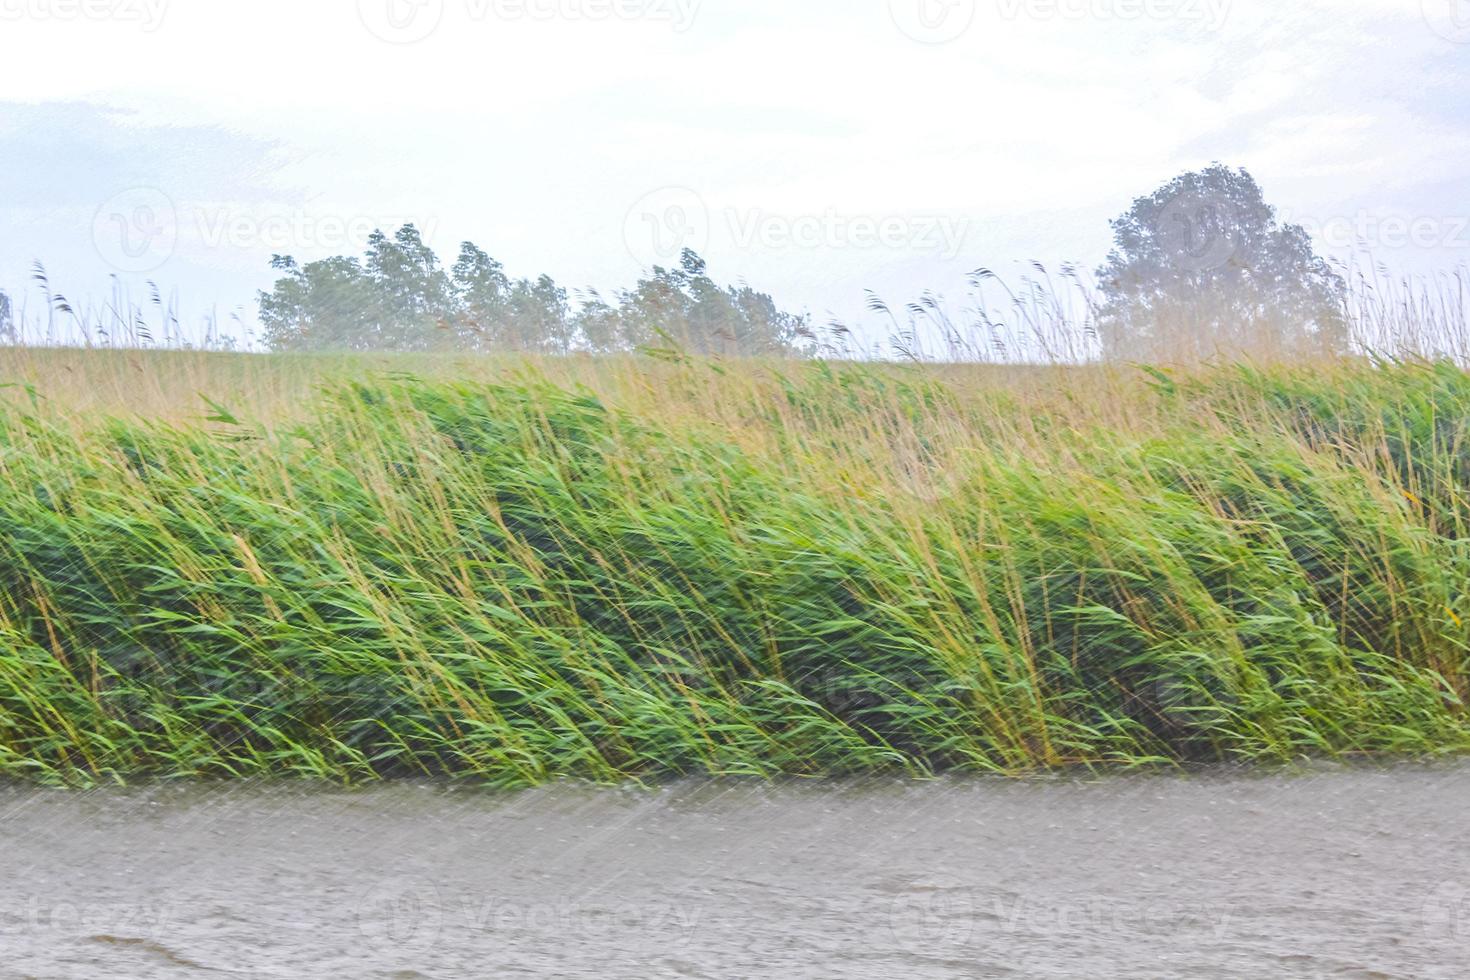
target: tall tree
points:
(1202, 266)
(482, 290)
(540, 316)
(327, 305)
(399, 297)
(417, 300)
(685, 304)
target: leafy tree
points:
(684, 303)
(7, 318)
(327, 305)
(415, 300)
(1202, 266)
(399, 297)
(540, 317)
(599, 325)
(482, 291)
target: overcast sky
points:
(814, 148)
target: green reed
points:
(701, 568)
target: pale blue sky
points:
(812, 148)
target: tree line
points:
(1200, 265)
(399, 296)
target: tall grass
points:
(516, 570)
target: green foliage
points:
(400, 298)
(518, 582)
(1201, 266)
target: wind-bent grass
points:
(632, 569)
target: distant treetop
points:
(1202, 266)
(399, 296)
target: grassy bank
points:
(516, 571)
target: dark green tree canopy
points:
(1202, 266)
(399, 297)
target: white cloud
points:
(534, 136)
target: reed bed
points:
(516, 570)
